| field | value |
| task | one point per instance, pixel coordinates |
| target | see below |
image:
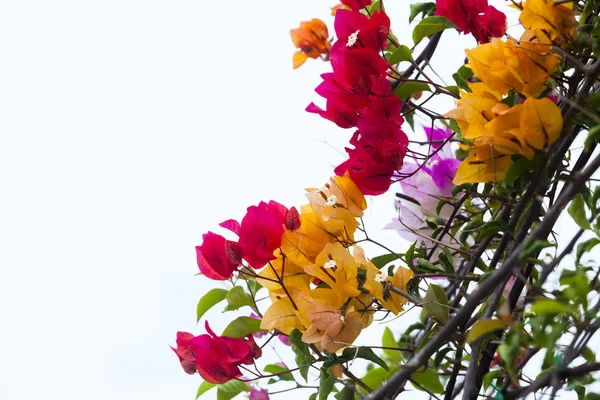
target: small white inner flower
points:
(352, 39)
(434, 163)
(332, 200)
(330, 264)
(342, 319)
(380, 277)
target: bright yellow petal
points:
(541, 122)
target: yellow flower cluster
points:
(314, 283)
(495, 129)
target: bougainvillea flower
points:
(216, 357)
(336, 267)
(218, 257)
(281, 315)
(356, 4)
(260, 232)
(185, 353)
(489, 24)
(482, 165)
(335, 218)
(371, 165)
(357, 68)
(303, 245)
(556, 19)
(293, 276)
(329, 327)
(355, 30)
(376, 281)
(462, 13)
(312, 41)
(258, 394)
(474, 16)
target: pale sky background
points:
(130, 128)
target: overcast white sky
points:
(128, 129)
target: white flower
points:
(380, 277)
(330, 264)
(352, 39)
(332, 200)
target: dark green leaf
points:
(461, 76)
(365, 353)
(425, 9)
(345, 394)
(408, 89)
(207, 301)
(447, 262)
(460, 188)
(492, 228)
(326, 382)
(375, 377)
(519, 167)
(237, 298)
(303, 357)
(242, 327)
(490, 376)
(577, 212)
(425, 266)
(382, 261)
(436, 303)
(402, 53)
(533, 246)
(589, 355)
(409, 256)
(586, 246)
(470, 228)
(204, 387)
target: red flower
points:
(260, 232)
(218, 257)
(356, 4)
(492, 23)
(216, 358)
(474, 16)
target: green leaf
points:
(453, 89)
(375, 377)
(436, 303)
(429, 26)
(589, 355)
(409, 256)
(303, 357)
(492, 228)
(577, 212)
(469, 229)
(483, 327)
(204, 387)
(429, 379)
(382, 261)
(551, 307)
(402, 53)
(592, 138)
(284, 375)
(365, 353)
(464, 186)
(532, 247)
(376, 6)
(425, 266)
(425, 9)
(447, 262)
(345, 394)
(326, 382)
(585, 247)
(242, 327)
(408, 89)
(229, 390)
(520, 166)
(207, 301)
(490, 376)
(388, 340)
(237, 298)
(461, 76)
